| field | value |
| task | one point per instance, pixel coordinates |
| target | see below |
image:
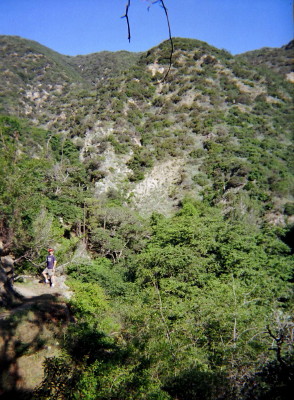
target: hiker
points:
(48, 272)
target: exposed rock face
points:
(155, 191)
(290, 77)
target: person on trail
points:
(49, 271)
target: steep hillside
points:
(33, 76)
(279, 60)
(216, 128)
(100, 66)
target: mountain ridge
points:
(278, 59)
(128, 125)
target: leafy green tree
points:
(115, 231)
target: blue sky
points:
(86, 26)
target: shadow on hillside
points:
(17, 395)
(195, 384)
(25, 330)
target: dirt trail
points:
(34, 290)
(35, 287)
(30, 332)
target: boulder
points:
(7, 293)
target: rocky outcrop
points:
(7, 293)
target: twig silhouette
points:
(162, 4)
(126, 16)
(170, 36)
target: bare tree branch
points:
(170, 36)
(279, 339)
(162, 4)
(126, 16)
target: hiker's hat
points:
(50, 250)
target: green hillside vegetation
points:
(279, 60)
(98, 66)
(26, 64)
(32, 73)
(170, 205)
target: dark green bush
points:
(289, 208)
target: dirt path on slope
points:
(33, 290)
(32, 287)
(30, 332)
